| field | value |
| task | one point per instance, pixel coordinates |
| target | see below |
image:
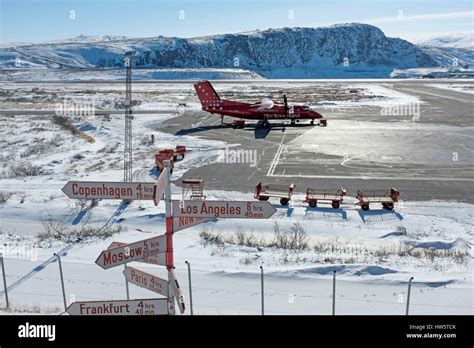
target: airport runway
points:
(426, 157)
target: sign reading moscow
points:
(132, 252)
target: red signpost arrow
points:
(132, 252)
(223, 209)
(109, 190)
(123, 307)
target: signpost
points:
(223, 209)
(121, 307)
(109, 190)
(131, 252)
(146, 280)
(156, 250)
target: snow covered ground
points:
(435, 73)
(456, 87)
(40, 74)
(374, 253)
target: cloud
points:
(430, 16)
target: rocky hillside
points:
(346, 50)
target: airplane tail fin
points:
(207, 94)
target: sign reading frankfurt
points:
(121, 307)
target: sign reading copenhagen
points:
(223, 209)
(122, 307)
(132, 252)
(109, 190)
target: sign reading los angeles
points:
(223, 209)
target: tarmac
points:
(425, 154)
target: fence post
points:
(4, 281)
(263, 303)
(334, 293)
(408, 295)
(62, 279)
(126, 284)
(190, 287)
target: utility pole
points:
(408, 295)
(127, 154)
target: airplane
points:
(265, 110)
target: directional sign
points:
(178, 293)
(180, 223)
(223, 209)
(158, 259)
(123, 307)
(109, 190)
(159, 187)
(131, 252)
(146, 280)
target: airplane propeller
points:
(285, 101)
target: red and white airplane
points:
(265, 110)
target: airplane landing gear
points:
(222, 119)
(312, 122)
(292, 122)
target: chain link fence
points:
(35, 287)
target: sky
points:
(45, 20)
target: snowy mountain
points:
(459, 40)
(346, 50)
(454, 51)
